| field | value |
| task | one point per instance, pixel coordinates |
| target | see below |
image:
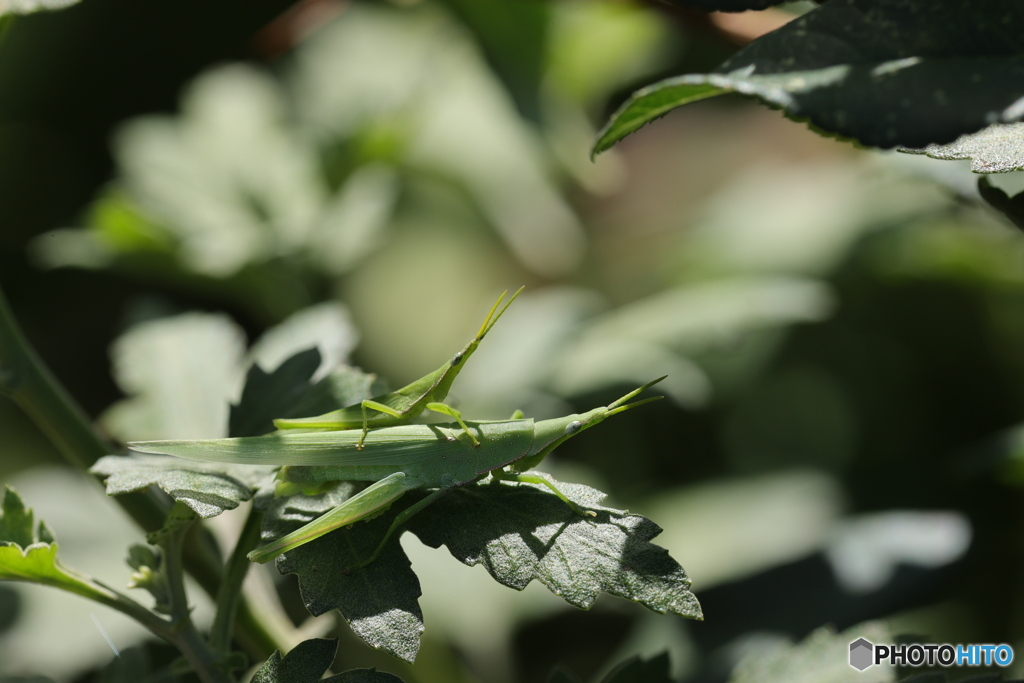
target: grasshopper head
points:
(549, 434)
(449, 370)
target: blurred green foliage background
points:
(841, 328)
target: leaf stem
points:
(230, 592)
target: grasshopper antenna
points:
(623, 405)
(492, 318)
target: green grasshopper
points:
(401, 406)
(397, 460)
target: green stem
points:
(204, 659)
(231, 586)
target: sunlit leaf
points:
(520, 533)
(207, 488)
(883, 72)
(999, 148)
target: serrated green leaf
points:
(520, 533)
(884, 72)
(287, 392)
(822, 657)
(26, 556)
(380, 601)
(207, 488)
(637, 670)
(999, 148)
(306, 663)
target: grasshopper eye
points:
(573, 427)
(457, 359)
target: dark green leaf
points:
(884, 72)
(380, 601)
(637, 670)
(32, 557)
(208, 488)
(286, 392)
(521, 533)
(728, 5)
(306, 663)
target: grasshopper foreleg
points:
(446, 409)
(380, 408)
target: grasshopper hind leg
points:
(526, 478)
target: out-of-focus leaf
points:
(735, 528)
(414, 77)
(28, 552)
(884, 72)
(228, 178)
(597, 47)
(865, 552)
(519, 534)
(379, 601)
(637, 670)
(822, 656)
(326, 326)
(29, 6)
(998, 148)
(180, 373)
(207, 488)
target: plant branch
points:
(230, 592)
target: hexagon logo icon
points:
(861, 654)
